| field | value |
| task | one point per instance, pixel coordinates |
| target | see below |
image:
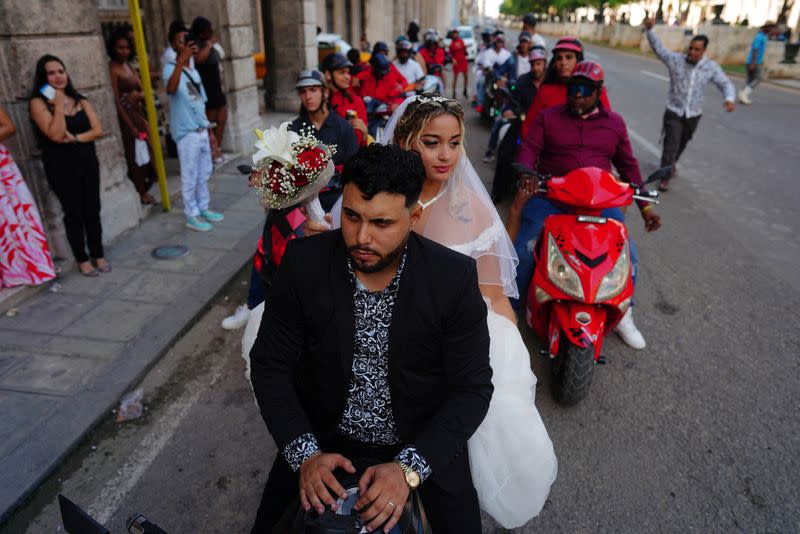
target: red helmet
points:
(569, 43)
(589, 70)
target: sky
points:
(492, 8)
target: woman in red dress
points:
(24, 254)
(458, 51)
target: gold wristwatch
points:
(412, 477)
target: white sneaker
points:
(744, 95)
(238, 319)
(628, 332)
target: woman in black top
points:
(67, 126)
(208, 64)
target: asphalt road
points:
(697, 433)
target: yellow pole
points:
(149, 102)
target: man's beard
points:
(381, 263)
(403, 60)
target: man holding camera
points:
(190, 129)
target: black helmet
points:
(380, 63)
(434, 68)
(380, 47)
(529, 19)
(335, 62)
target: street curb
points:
(58, 435)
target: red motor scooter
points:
(582, 284)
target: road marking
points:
(116, 489)
(647, 145)
(591, 55)
(654, 75)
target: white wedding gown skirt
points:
(511, 456)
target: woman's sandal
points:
(106, 268)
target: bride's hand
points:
(313, 228)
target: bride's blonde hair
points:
(420, 113)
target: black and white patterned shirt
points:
(367, 415)
(687, 81)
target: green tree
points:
(521, 7)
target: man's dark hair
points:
(386, 169)
(201, 25)
(702, 38)
(354, 56)
(176, 27)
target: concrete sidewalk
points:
(66, 358)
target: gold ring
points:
(391, 504)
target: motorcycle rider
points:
(431, 52)
(581, 133)
(492, 58)
(522, 94)
(382, 83)
(512, 71)
(336, 68)
(408, 66)
(283, 225)
(518, 64)
(567, 52)
(529, 25)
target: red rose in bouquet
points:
(313, 159)
(293, 167)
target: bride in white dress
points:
(511, 456)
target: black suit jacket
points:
(439, 373)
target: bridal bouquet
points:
(292, 169)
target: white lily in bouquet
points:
(292, 169)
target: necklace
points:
(431, 201)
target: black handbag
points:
(346, 521)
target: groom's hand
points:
(316, 476)
(384, 487)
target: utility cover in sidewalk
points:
(170, 252)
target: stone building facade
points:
(285, 30)
(73, 31)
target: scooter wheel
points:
(572, 373)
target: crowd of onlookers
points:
(66, 126)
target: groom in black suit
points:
(374, 344)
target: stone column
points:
(291, 31)
(71, 31)
(232, 20)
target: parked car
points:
(330, 43)
(467, 33)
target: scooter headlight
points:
(615, 281)
(560, 273)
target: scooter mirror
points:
(244, 169)
(660, 174)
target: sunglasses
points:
(581, 90)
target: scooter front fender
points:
(582, 324)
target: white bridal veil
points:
(464, 219)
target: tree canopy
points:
(521, 7)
